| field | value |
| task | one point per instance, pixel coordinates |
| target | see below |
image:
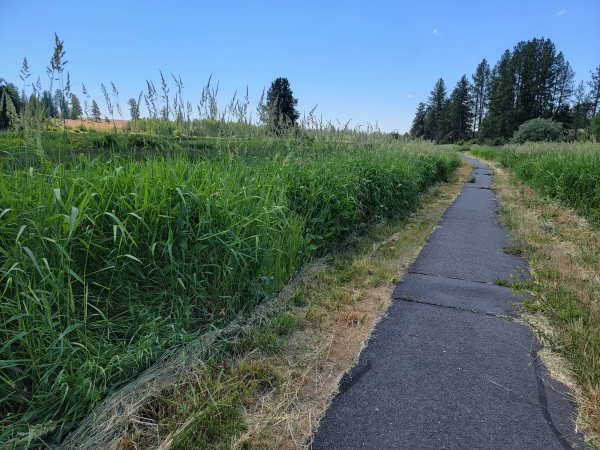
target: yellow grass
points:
(102, 125)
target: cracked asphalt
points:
(448, 367)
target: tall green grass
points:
(107, 262)
(569, 173)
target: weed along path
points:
(449, 366)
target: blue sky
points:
(366, 61)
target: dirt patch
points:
(102, 125)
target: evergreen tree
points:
(481, 80)
(594, 85)
(582, 108)
(47, 104)
(435, 103)
(460, 110)
(281, 105)
(61, 106)
(9, 93)
(418, 126)
(444, 132)
(563, 87)
(76, 111)
(500, 120)
(96, 114)
(134, 109)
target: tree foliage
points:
(435, 107)
(537, 130)
(460, 114)
(418, 125)
(534, 80)
(76, 111)
(134, 109)
(481, 80)
(10, 103)
(96, 114)
(281, 105)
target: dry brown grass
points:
(102, 125)
(563, 249)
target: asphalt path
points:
(448, 367)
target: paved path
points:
(445, 369)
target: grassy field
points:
(546, 191)
(569, 173)
(112, 253)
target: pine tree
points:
(500, 121)
(435, 103)
(47, 104)
(76, 111)
(460, 110)
(281, 105)
(418, 126)
(96, 114)
(10, 103)
(481, 80)
(594, 85)
(134, 109)
(563, 88)
(444, 132)
(582, 107)
(60, 105)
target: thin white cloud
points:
(437, 33)
(409, 95)
(562, 12)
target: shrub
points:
(537, 130)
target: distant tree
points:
(96, 114)
(582, 107)
(563, 86)
(134, 108)
(594, 85)
(499, 121)
(47, 104)
(418, 125)
(10, 103)
(481, 80)
(61, 106)
(444, 132)
(435, 106)
(460, 113)
(281, 105)
(76, 111)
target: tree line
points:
(531, 81)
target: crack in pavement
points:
(451, 278)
